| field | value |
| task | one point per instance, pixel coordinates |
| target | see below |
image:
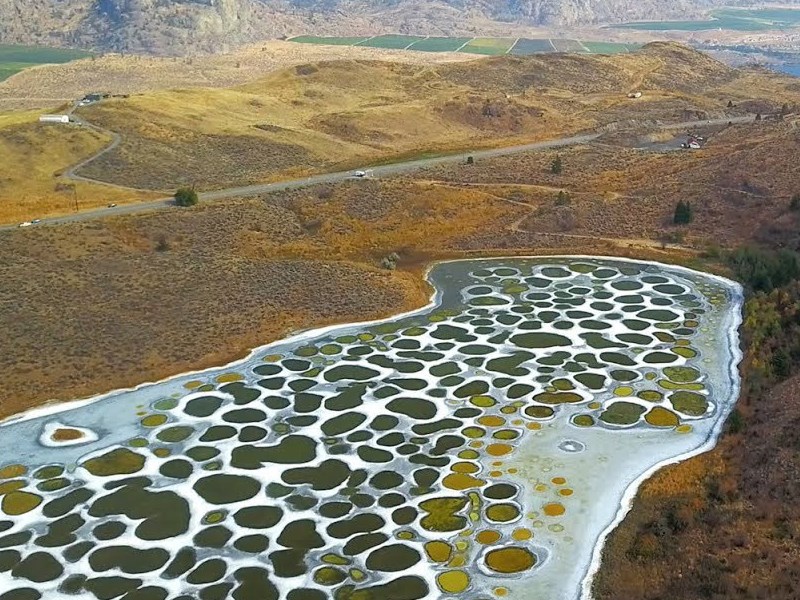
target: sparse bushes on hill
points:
(186, 197)
(563, 199)
(557, 167)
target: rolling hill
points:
(338, 115)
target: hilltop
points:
(177, 26)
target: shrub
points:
(683, 213)
(186, 197)
(557, 167)
(736, 423)
(563, 199)
(794, 203)
(162, 245)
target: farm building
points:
(54, 119)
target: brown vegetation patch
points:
(63, 434)
(208, 161)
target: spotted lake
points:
(481, 447)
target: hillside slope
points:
(339, 115)
(173, 26)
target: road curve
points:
(377, 171)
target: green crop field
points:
(14, 59)
(394, 42)
(488, 46)
(329, 41)
(759, 19)
(526, 46)
(439, 44)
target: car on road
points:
(36, 221)
(359, 173)
(25, 224)
(112, 205)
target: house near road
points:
(54, 119)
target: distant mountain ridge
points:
(174, 26)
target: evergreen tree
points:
(683, 213)
(794, 204)
(557, 167)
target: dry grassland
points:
(739, 185)
(32, 156)
(50, 85)
(343, 114)
(333, 115)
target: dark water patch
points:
(208, 571)
(240, 392)
(290, 450)
(224, 489)
(254, 583)
(361, 543)
(252, 544)
(128, 560)
(415, 408)
(361, 523)
(163, 514)
(393, 558)
(217, 536)
(328, 475)
(38, 567)
(62, 532)
(216, 433)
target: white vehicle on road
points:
(363, 174)
(25, 224)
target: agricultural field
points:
(439, 44)
(487, 46)
(525, 46)
(392, 42)
(490, 46)
(728, 18)
(14, 59)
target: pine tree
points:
(683, 213)
(557, 167)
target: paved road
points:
(377, 171)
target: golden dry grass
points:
(32, 156)
(51, 85)
(342, 114)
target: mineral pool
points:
(481, 447)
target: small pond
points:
(479, 448)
